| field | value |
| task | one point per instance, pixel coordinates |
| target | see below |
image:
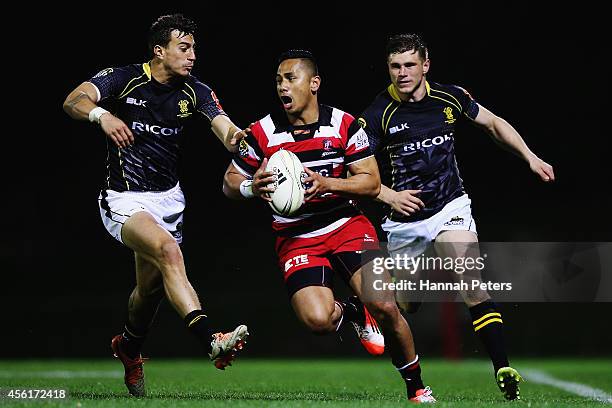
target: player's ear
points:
(315, 83)
(426, 66)
(158, 51)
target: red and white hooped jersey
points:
(328, 147)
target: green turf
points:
(297, 383)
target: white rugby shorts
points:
(166, 207)
(413, 238)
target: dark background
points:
(66, 281)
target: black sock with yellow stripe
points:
(488, 325)
(197, 323)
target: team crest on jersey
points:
(327, 144)
(183, 105)
(243, 148)
(448, 111)
(104, 72)
(362, 122)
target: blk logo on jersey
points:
(399, 128)
(137, 102)
(298, 260)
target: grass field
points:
(297, 383)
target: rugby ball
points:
(288, 195)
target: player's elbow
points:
(228, 190)
(373, 188)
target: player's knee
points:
(409, 307)
(169, 253)
(383, 312)
(319, 323)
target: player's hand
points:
(116, 130)
(261, 180)
(238, 136)
(320, 184)
(406, 202)
(542, 169)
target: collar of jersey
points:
(393, 92)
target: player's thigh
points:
(463, 245)
(314, 305)
(146, 237)
(372, 288)
(149, 279)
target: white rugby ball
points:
(288, 195)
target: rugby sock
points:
(132, 340)
(352, 310)
(488, 324)
(197, 323)
(411, 373)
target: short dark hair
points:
(160, 32)
(304, 55)
(400, 43)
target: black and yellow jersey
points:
(156, 114)
(414, 143)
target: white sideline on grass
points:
(60, 374)
(582, 390)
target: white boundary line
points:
(60, 374)
(582, 390)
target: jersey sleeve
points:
(249, 156)
(469, 107)
(358, 145)
(207, 102)
(370, 122)
(110, 82)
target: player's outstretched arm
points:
(236, 186)
(228, 133)
(405, 202)
(508, 137)
(80, 105)
(364, 182)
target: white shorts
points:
(413, 238)
(165, 206)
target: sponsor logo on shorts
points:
(368, 238)
(454, 221)
(297, 260)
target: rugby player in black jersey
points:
(411, 127)
(328, 234)
(141, 203)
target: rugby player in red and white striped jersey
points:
(328, 234)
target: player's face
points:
(179, 54)
(296, 86)
(407, 71)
